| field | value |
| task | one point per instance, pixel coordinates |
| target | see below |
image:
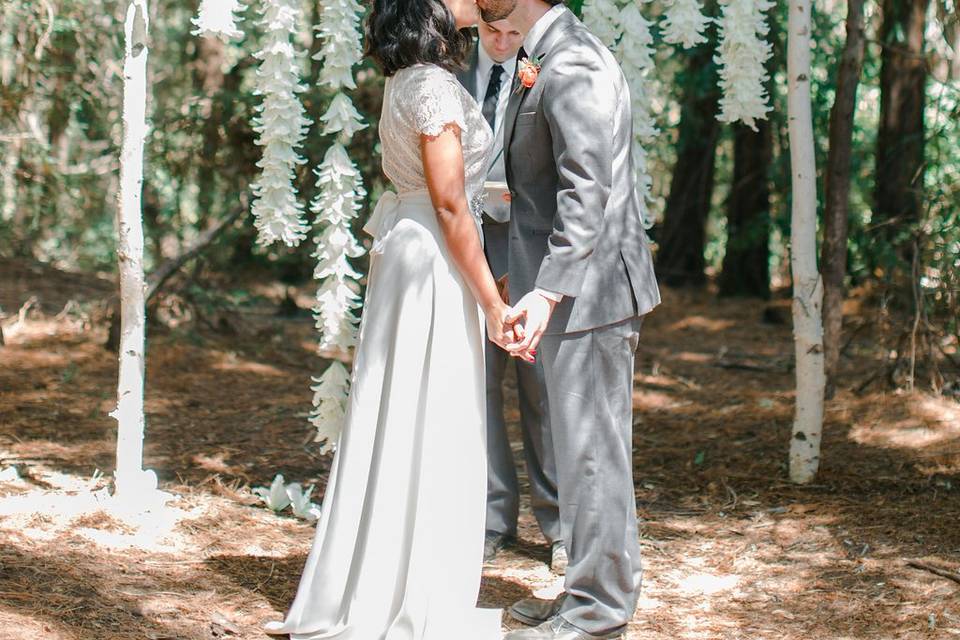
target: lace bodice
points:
(423, 99)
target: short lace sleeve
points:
(435, 102)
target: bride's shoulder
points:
(426, 81)
(424, 72)
(429, 97)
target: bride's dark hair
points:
(402, 33)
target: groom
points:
(581, 271)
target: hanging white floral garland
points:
(602, 18)
(218, 18)
(627, 33)
(339, 198)
(684, 23)
(742, 55)
(282, 125)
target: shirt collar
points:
(540, 27)
(485, 64)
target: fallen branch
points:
(165, 271)
(746, 365)
(866, 383)
(852, 333)
(943, 573)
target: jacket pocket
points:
(527, 118)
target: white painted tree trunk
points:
(131, 480)
(807, 285)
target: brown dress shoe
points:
(534, 611)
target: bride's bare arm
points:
(443, 167)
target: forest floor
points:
(731, 548)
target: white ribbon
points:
(383, 220)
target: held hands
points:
(528, 320)
(499, 331)
(518, 329)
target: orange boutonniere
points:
(527, 72)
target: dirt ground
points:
(732, 549)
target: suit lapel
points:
(517, 92)
(510, 117)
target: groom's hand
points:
(530, 317)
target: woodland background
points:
(733, 549)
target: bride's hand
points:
(498, 330)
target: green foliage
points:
(60, 129)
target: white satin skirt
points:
(398, 551)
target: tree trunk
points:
(807, 286)
(131, 480)
(837, 189)
(746, 263)
(209, 79)
(682, 240)
(900, 138)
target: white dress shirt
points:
(484, 70)
(495, 207)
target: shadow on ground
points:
(732, 549)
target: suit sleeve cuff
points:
(549, 295)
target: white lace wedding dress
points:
(399, 545)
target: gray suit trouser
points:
(503, 491)
(590, 378)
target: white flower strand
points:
(635, 52)
(627, 33)
(217, 18)
(342, 49)
(330, 404)
(742, 55)
(636, 59)
(342, 116)
(602, 18)
(684, 23)
(282, 125)
(340, 193)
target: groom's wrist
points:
(552, 296)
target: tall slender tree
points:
(683, 235)
(746, 263)
(900, 138)
(132, 482)
(807, 285)
(837, 188)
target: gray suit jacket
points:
(575, 224)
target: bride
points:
(398, 548)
